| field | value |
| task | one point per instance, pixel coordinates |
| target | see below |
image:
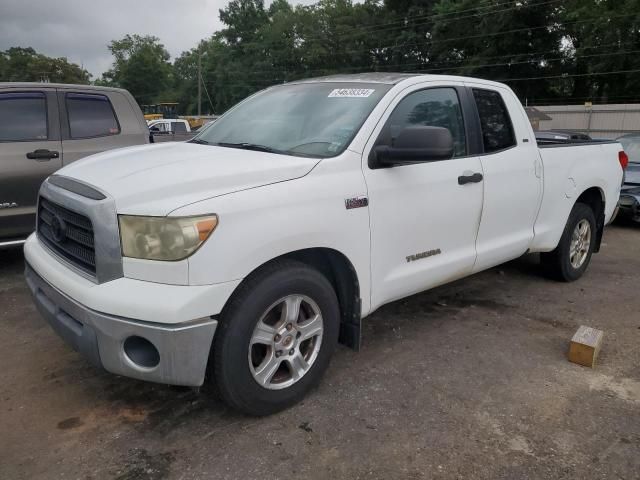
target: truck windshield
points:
(306, 119)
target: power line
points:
(568, 75)
(558, 59)
(382, 49)
(439, 15)
(494, 34)
(405, 21)
(443, 69)
(506, 80)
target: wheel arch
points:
(342, 275)
(595, 198)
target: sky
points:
(81, 29)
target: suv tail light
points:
(624, 159)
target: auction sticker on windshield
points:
(352, 92)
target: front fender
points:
(264, 223)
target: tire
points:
(242, 351)
(562, 264)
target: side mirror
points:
(415, 144)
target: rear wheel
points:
(570, 259)
(275, 338)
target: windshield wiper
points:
(199, 141)
(249, 146)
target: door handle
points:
(473, 178)
(42, 154)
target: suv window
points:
(433, 107)
(90, 116)
(497, 130)
(23, 117)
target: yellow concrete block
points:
(585, 346)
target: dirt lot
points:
(467, 381)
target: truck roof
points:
(391, 78)
(75, 86)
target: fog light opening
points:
(141, 352)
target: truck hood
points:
(156, 179)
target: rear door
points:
(512, 177)
(95, 121)
(30, 151)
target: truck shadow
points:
(11, 261)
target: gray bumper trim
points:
(183, 348)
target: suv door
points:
(424, 219)
(512, 174)
(89, 123)
(30, 151)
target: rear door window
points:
(90, 116)
(497, 130)
(23, 117)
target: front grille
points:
(67, 233)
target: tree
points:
(26, 65)
(499, 42)
(547, 51)
(602, 37)
(141, 66)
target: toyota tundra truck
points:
(244, 256)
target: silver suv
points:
(44, 126)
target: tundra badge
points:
(8, 205)
(428, 253)
(356, 202)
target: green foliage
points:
(609, 42)
(141, 65)
(25, 65)
(548, 51)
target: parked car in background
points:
(553, 136)
(170, 130)
(630, 193)
(44, 127)
(176, 125)
(255, 247)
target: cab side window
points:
(497, 130)
(433, 107)
(91, 116)
(23, 117)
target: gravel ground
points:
(466, 381)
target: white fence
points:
(598, 121)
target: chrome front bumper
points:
(172, 354)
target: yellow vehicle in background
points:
(196, 122)
(168, 110)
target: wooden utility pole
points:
(199, 84)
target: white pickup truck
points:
(245, 255)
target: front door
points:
(424, 222)
(30, 151)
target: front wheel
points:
(570, 259)
(275, 338)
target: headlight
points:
(164, 238)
